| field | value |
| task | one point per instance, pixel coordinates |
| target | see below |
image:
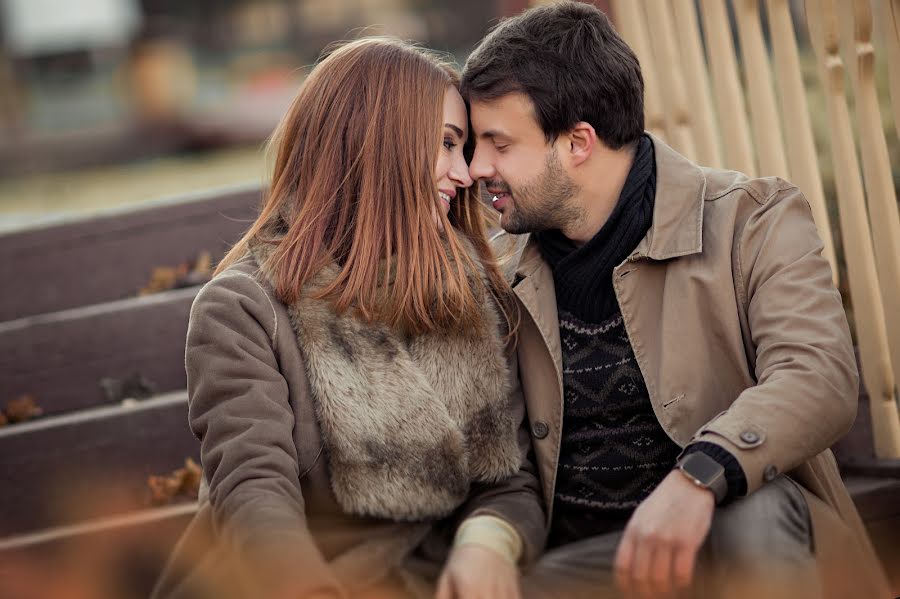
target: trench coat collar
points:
(677, 226)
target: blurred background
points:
(104, 102)
(108, 105)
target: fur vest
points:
(408, 423)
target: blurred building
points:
(84, 82)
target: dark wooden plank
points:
(91, 463)
(878, 500)
(875, 468)
(112, 558)
(110, 256)
(885, 536)
(60, 358)
(857, 446)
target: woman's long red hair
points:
(353, 184)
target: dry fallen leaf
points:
(186, 274)
(190, 482)
(21, 409)
(163, 489)
(183, 482)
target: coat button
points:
(750, 437)
(770, 473)
(540, 430)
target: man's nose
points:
(480, 167)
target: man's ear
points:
(582, 138)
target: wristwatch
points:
(705, 472)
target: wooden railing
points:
(749, 112)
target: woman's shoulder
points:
(239, 289)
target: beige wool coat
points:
(337, 456)
(741, 339)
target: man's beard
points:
(543, 203)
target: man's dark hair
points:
(572, 64)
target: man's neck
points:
(600, 191)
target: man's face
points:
(531, 188)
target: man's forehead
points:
(502, 115)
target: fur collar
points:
(408, 423)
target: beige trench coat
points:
(740, 336)
(269, 517)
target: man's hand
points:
(474, 572)
(659, 548)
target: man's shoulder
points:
(727, 186)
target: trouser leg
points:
(581, 569)
(762, 546)
(758, 546)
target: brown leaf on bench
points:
(186, 274)
(190, 482)
(163, 489)
(181, 483)
(162, 279)
(21, 409)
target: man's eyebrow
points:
(491, 134)
(456, 129)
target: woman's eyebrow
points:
(456, 129)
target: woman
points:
(347, 367)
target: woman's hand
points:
(475, 572)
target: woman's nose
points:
(460, 173)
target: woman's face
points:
(451, 171)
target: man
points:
(685, 358)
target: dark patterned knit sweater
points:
(613, 450)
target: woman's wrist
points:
(492, 533)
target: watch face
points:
(702, 467)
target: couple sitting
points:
(631, 393)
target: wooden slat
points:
(180, 512)
(667, 55)
(60, 358)
(889, 24)
(728, 95)
(801, 151)
(111, 256)
(66, 469)
(703, 116)
(764, 119)
(857, 446)
(878, 502)
(867, 309)
(884, 216)
(632, 26)
(110, 558)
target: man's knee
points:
(762, 546)
(580, 569)
(773, 523)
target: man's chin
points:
(513, 225)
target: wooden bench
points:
(77, 262)
(95, 462)
(874, 485)
(61, 358)
(118, 557)
(78, 475)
